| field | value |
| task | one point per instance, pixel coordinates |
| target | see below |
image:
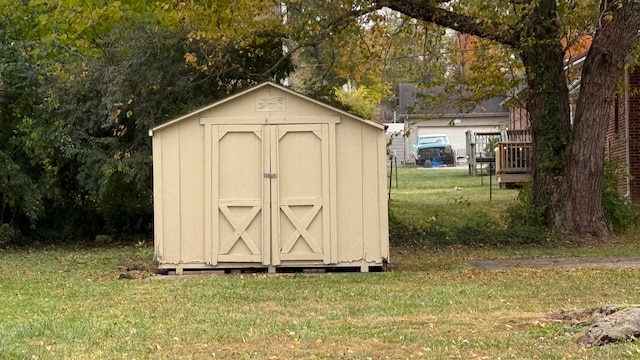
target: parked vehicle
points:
(434, 150)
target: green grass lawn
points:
(449, 192)
(67, 303)
(446, 206)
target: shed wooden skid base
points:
(239, 268)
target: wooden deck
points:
(513, 162)
(512, 157)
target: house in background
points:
(623, 134)
(420, 119)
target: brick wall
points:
(616, 137)
(518, 119)
(634, 134)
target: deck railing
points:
(516, 135)
(514, 157)
(513, 154)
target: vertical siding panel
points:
(274, 221)
(191, 192)
(349, 193)
(215, 194)
(333, 212)
(171, 194)
(208, 203)
(270, 205)
(326, 190)
(383, 212)
(157, 197)
(370, 194)
(303, 108)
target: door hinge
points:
(270, 175)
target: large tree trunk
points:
(548, 106)
(580, 209)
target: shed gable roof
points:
(254, 88)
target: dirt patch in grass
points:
(584, 316)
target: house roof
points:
(254, 88)
(411, 103)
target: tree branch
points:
(430, 11)
(336, 25)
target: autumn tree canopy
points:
(87, 79)
(568, 158)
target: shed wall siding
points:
(350, 177)
(373, 193)
(191, 190)
(361, 182)
(170, 179)
(182, 158)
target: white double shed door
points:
(268, 190)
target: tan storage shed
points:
(269, 179)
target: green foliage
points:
(22, 190)
(377, 50)
(523, 219)
(481, 230)
(490, 147)
(618, 211)
(87, 80)
(7, 234)
(522, 213)
(362, 100)
(20, 194)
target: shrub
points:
(619, 213)
(6, 234)
(481, 230)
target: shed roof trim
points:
(254, 88)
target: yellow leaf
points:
(190, 58)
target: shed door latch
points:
(270, 175)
